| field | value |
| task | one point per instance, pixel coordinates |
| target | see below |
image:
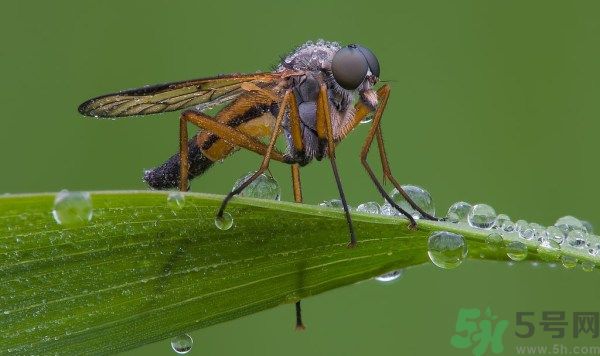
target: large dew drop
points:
(549, 249)
(182, 344)
(526, 231)
(576, 238)
(482, 216)
(494, 242)
(333, 203)
(588, 226)
(390, 276)
(520, 225)
(225, 222)
(369, 207)
(418, 195)
(459, 212)
(501, 220)
(176, 200)
(555, 234)
(446, 250)
(516, 250)
(263, 187)
(569, 223)
(72, 208)
(568, 261)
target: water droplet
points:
(419, 196)
(263, 187)
(182, 344)
(458, 212)
(520, 225)
(501, 219)
(568, 261)
(516, 250)
(493, 244)
(588, 226)
(494, 239)
(508, 226)
(587, 266)
(569, 223)
(390, 276)
(388, 209)
(482, 216)
(549, 249)
(526, 232)
(176, 200)
(72, 208)
(334, 203)
(367, 119)
(446, 250)
(225, 222)
(539, 232)
(369, 207)
(555, 234)
(576, 238)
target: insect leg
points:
(184, 162)
(382, 94)
(267, 155)
(296, 183)
(295, 128)
(325, 133)
(222, 130)
(383, 156)
(299, 325)
(298, 199)
(388, 173)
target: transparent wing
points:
(158, 98)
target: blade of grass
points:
(141, 272)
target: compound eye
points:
(371, 60)
(350, 66)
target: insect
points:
(316, 96)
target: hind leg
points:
(228, 133)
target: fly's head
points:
(355, 68)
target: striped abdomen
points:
(251, 114)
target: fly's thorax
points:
(310, 56)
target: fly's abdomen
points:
(166, 176)
(250, 115)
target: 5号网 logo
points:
(479, 331)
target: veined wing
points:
(158, 98)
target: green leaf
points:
(141, 272)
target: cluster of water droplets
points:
(445, 249)
(519, 237)
(515, 239)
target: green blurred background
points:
(492, 101)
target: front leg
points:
(382, 94)
(388, 174)
(375, 131)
